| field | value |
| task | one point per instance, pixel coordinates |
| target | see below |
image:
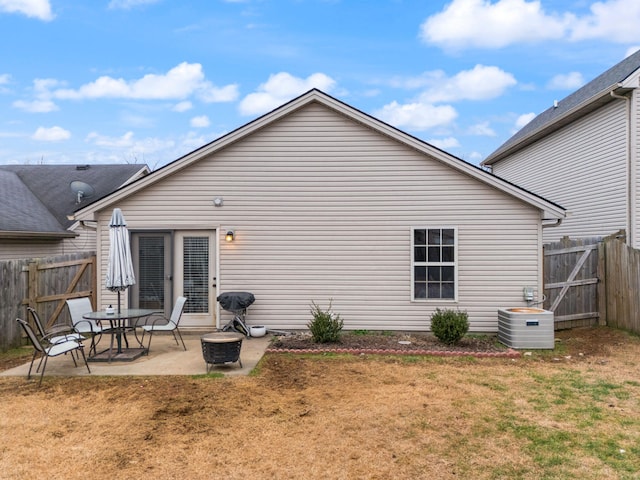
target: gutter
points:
(37, 235)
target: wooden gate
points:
(571, 282)
(43, 284)
(52, 283)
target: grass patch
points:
(208, 375)
(15, 356)
(359, 332)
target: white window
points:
(434, 255)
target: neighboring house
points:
(327, 204)
(584, 153)
(38, 199)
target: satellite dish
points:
(81, 190)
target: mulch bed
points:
(393, 344)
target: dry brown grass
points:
(341, 417)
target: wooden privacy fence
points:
(620, 300)
(44, 284)
(593, 281)
(571, 282)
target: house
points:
(584, 153)
(37, 200)
(324, 203)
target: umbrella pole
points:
(119, 335)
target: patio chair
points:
(55, 333)
(51, 350)
(77, 308)
(163, 324)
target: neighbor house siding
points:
(323, 207)
(84, 242)
(581, 167)
(20, 249)
(634, 146)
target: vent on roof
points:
(82, 167)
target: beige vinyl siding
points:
(84, 242)
(19, 249)
(322, 208)
(581, 167)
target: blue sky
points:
(147, 81)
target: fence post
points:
(602, 283)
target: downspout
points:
(631, 233)
(557, 223)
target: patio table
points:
(120, 322)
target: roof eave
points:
(90, 212)
(601, 98)
(24, 235)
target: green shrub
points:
(326, 326)
(449, 326)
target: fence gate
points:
(43, 284)
(571, 282)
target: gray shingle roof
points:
(38, 198)
(590, 92)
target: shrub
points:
(449, 326)
(326, 326)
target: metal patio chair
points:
(50, 350)
(55, 333)
(163, 324)
(77, 308)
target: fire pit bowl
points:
(221, 347)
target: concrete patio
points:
(165, 358)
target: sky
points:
(148, 81)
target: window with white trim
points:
(434, 263)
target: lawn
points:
(570, 413)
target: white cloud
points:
(444, 143)
(53, 134)
(182, 106)
(210, 94)
(125, 140)
(191, 141)
(568, 81)
(5, 79)
(200, 122)
(127, 143)
(178, 83)
(631, 50)
(613, 20)
(40, 9)
(417, 116)
(42, 92)
(481, 23)
(523, 119)
(482, 129)
(479, 83)
(496, 24)
(475, 156)
(280, 88)
(129, 4)
(35, 106)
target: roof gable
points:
(585, 99)
(311, 96)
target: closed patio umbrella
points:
(120, 275)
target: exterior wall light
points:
(230, 236)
